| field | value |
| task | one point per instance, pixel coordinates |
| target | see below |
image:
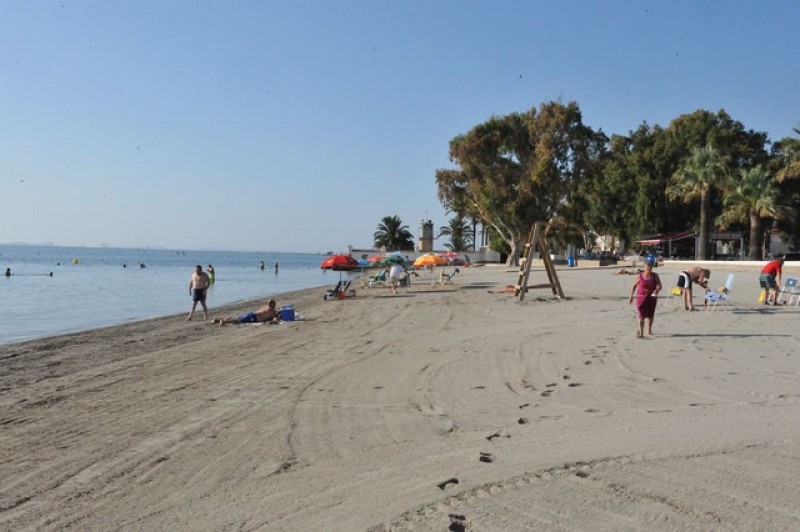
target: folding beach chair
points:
(789, 291)
(674, 296)
(447, 277)
(340, 291)
(723, 294)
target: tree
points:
(460, 233)
(392, 234)
(695, 179)
(785, 162)
(522, 168)
(750, 197)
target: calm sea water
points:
(99, 291)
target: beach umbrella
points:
(340, 263)
(430, 259)
(387, 261)
(376, 258)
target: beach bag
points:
(762, 295)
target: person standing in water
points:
(646, 289)
(211, 273)
(276, 267)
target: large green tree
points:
(752, 196)
(392, 234)
(785, 162)
(735, 146)
(696, 178)
(522, 168)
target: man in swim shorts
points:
(198, 286)
(770, 279)
(685, 281)
(264, 314)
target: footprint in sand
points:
(450, 483)
(575, 384)
(486, 457)
(522, 421)
(459, 523)
(502, 433)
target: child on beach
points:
(646, 289)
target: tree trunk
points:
(513, 256)
(756, 236)
(705, 225)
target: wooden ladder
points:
(536, 238)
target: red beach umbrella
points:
(339, 263)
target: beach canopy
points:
(339, 263)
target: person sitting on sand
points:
(264, 314)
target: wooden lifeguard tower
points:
(536, 238)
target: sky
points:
(298, 125)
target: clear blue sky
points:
(297, 125)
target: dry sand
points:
(374, 412)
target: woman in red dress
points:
(646, 288)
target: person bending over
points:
(264, 314)
(770, 279)
(685, 281)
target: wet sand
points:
(392, 412)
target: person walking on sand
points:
(686, 279)
(646, 289)
(264, 314)
(395, 272)
(770, 279)
(198, 286)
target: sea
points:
(55, 290)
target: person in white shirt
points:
(395, 272)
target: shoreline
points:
(390, 412)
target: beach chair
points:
(340, 291)
(448, 277)
(674, 296)
(789, 291)
(378, 279)
(723, 294)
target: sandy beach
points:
(391, 412)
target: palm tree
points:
(699, 174)
(788, 157)
(460, 233)
(392, 234)
(752, 197)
